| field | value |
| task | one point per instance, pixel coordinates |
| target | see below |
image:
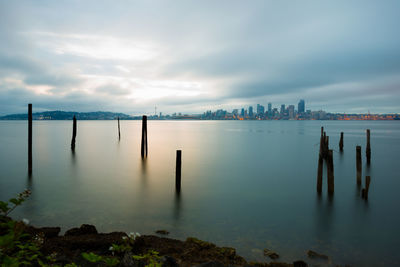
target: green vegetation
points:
(18, 248)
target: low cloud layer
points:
(189, 56)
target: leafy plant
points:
(5, 209)
(151, 258)
(92, 257)
(16, 247)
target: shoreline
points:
(134, 249)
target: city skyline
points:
(190, 57)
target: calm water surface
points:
(246, 184)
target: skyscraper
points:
(269, 108)
(251, 111)
(301, 106)
(291, 111)
(282, 109)
(242, 112)
(260, 110)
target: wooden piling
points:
(73, 133)
(341, 142)
(367, 182)
(331, 179)
(368, 149)
(358, 164)
(178, 170)
(119, 131)
(319, 175)
(144, 147)
(30, 138)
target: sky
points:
(192, 56)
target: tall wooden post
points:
(30, 138)
(73, 133)
(320, 169)
(331, 179)
(178, 170)
(368, 149)
(119, 131)
(144, 147)
(358, 164)
(365, 191)
(341, 142)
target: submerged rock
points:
(162, 232)
(300, 264)
(315, 255)
(273, 255)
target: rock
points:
(162, 232)
(315, 255)
(273, 255)
(50, 232)
(47, 232)
(168, 261)
(85, 229)
(210, 264)
(300, 264)
(128, 261)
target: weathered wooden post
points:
(30, 138)
(358, 164)
(119, 131)
(331, 179)
(368, 149)
(178, 170)
(144, 136)
(73, 133)
(367, 182)
(341, 142)
(326, 147)
(319, 176)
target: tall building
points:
(291, 111)
(251, 111)
(282, 109)
(242, 112)
(301, 106)
(269, 108)
(260, 110)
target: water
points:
(246, 184)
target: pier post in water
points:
(331, 179)
(30, 138)
(364, 193)
(119, 131)
(368, 149)
(73, 134)
(178, 170)
(144, 147)
(341, 142)
(358, 164)
(320, 169)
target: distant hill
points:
(68, 115)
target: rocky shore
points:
(145, 250)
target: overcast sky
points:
(191, 56)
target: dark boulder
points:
(85, 229)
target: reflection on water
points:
(177, 204)
(245, 184)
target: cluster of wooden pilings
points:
(143, 148)
(326, 154)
